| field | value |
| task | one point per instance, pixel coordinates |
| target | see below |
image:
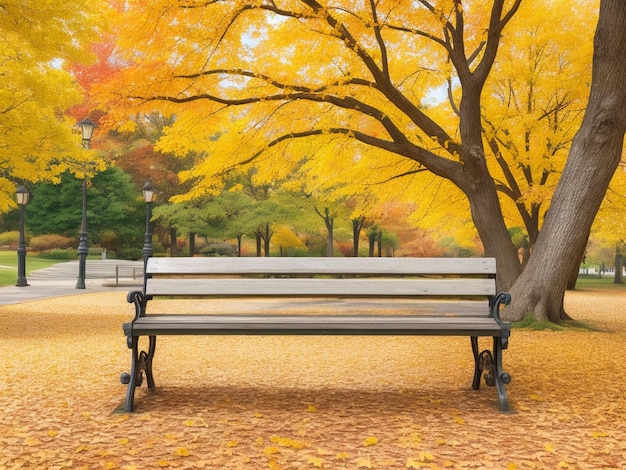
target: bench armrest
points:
(503, 298)
(139, 300)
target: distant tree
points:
(115, 211)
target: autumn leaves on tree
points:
(38, 39)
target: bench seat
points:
(397, 325)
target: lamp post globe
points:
(22, 195)
(86, 129)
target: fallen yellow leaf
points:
(549, 448)
(270, 450)
(31, 441)
(232, 443)
(287, 442)
(363, 463)
(412, 463)
(316, 461)
(342, 456)
(459, 420)
(370, 441)
(182, 452)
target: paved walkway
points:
(60, 279)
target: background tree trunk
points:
(173, 242)
(192, 243)
(593, 159)
(619, 266)
(357, 225)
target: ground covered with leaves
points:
(307, 402)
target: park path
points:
(307, 402)
(60, 280)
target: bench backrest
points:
(340, 277)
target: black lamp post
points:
(22, 196)
(148, 194)
(86, 128)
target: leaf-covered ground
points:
(307, 402)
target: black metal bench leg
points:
(140, 362)
(134, 376)
(490, 362)
(501, 377)
(478, 364)
(148, 363)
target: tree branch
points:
(379, 39)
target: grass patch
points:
(8, 266)
(586, 282)
(529, 323)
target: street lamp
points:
(86, 129)
(148, 194)
(22, 196)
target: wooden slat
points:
(320, 266)
(312, 325)
(319, 287)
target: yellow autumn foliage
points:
(309, 91)
(39, 142)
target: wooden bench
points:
(368, 296)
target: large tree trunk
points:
(487, 216)
(593, 159)
(479, 187)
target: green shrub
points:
(57, 253)
(131, 253)
(50, 242)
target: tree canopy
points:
(467, 108)
(39, 142)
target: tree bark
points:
(480, 188)
(594, 157)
